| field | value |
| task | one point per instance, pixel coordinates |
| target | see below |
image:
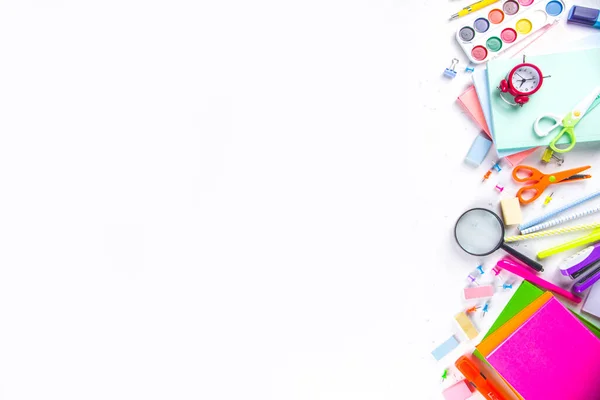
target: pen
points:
(517, 269)
(473, 7)
(477, 379)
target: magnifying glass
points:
(480, 232)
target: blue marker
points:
(584, 16)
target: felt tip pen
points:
(523, 272)
(584, 16)
(477, 379)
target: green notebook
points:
(573, 77)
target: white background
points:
(233, 200)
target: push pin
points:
(497, 166)
(496, 270)
(444, 375)
(486, 308)
(472, 279)
(487, 175)
(549, 156)
(548, 199)
(472, 309)
(480, 269)
(500, 188)
(507, 286)
(450, 72)
(469, 69)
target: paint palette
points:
(486, 36)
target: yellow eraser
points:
(511, 211)
(466, 325)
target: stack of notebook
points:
(542, 350)
(574, 73)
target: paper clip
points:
(500, 188)
(450, 72)
(486, 308)
(497, 166)
(548, 199)
(480, 269)
(496, 270)
(549, 156)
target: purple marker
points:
(579, 263)
(584, 16)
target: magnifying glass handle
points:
(519, 256)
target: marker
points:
(478, 379)
(523, 272)
(584, 16)
(472, 8)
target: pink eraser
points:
(479, 292)
(458, 391)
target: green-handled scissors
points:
(567, 122)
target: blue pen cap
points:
(584, 16)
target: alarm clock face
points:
(526, 79)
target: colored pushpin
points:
(487, 175)
(500, 188)
(450, 72)
(480, 269)
(469, 69)
(486, 308)
(507, 286)
(471, 278)
(497, 166)
(496, 270)
(444, 375)
(549, 155)
(548, 199)
(472, 309)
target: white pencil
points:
(560, 220)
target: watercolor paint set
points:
(485, 36)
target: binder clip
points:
(450, 72)
(549, 156)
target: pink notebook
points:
(551, 356)
(470, 103)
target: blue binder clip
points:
(450, 72)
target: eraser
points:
(443, 349)
(478, 151)
(466, 325)
(511, 211)
(458, 391)
(479, 292)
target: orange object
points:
(540, 181)
(472, 309)
(487, 175)
(478, 379)
(489, 344)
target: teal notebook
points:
(573, 77)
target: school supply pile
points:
(537, 348)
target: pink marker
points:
(522, 271)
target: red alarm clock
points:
(522, 82)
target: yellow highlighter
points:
(472, 8)
(592, 237)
